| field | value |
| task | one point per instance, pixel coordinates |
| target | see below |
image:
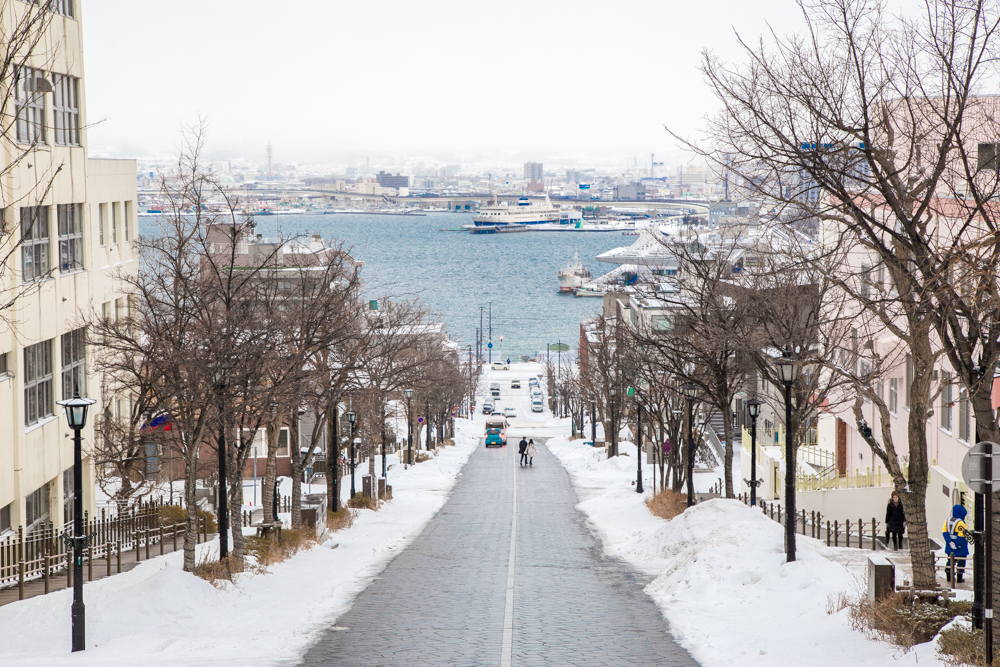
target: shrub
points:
(171, 514)
(901, 621)
(341, 519)
(420, 457)
(268, 552)
(667, 504)
(361, 502)
(961, 646)
(217, 572)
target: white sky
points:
(333, 81)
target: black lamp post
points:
(753, 409)
(409, 427)
(612, 390)
(788, 369)
(593, 422)
(76, 416)
(690, 393)
(427, 419)
(352, 418)
(638, 442)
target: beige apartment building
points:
(76, 219)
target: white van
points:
(536, 405)
(499, 366)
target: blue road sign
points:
(489, 345)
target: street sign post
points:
(980, 474)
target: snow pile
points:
(721, 579)
(159, 615)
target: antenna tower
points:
(270, 164)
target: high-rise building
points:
(533, 171)
(392, 180)
(76, 220)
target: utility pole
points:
(490, 339)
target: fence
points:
(42, 553)
(859, 480)
(834, 532)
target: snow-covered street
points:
(159, 615)
(720, 577)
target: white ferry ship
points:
(524, 212)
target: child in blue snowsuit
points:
(955, 543)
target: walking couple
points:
(528, 451)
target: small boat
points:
(573, 276)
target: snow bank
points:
(157, 614)
(720, 576)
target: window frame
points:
(34, 245)
(101, 217)
(70, 241)
(73, 357)
(29, 107)
(65, 110)
(38, 377)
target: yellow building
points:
(76, 219)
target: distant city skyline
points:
(577, 84)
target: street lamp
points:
(753, 409)
(353, 418)
(788, 370)
(612, 390)
(690, 393)
(76, 416)
(409, 427)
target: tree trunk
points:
(332, 459)
(920, 404)
(727, 430)
(296, 461)
(190, 509)
(272, 432)
(236, 511)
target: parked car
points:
(509, 412)
(533, 382)
(487, 408)
(536, 393)
(494, 391)
(499, 366)
(515, 384)
(536, 406)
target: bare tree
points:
(872, 129)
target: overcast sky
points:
(334, 81)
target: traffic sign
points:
(559, 347)
(420, 420)
(489, 345)
(974, 466)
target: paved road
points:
(443, 600)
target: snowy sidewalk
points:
(159, 615)
(721, 579)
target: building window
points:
(102, 215)
(37, 382)
(74, 364)
(283, 442)
(893, 394)
(64, 7)
(946, 407)
(67, 495)
(987, 155)
(866, 277)
(70, 237)
(29, 106)
(34, 242)
(909, 379)
(36, 506)
(65, 110)
(119, 308)
(114, 222)
(128, 219)
(5, 519)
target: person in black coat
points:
(895, 521)
(522, 448)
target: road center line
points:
(508, 612)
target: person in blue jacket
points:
(955, 543)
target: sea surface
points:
(454, 273)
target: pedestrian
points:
(531, 452)
(955, 543)
(522, 448)
(895, 522)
